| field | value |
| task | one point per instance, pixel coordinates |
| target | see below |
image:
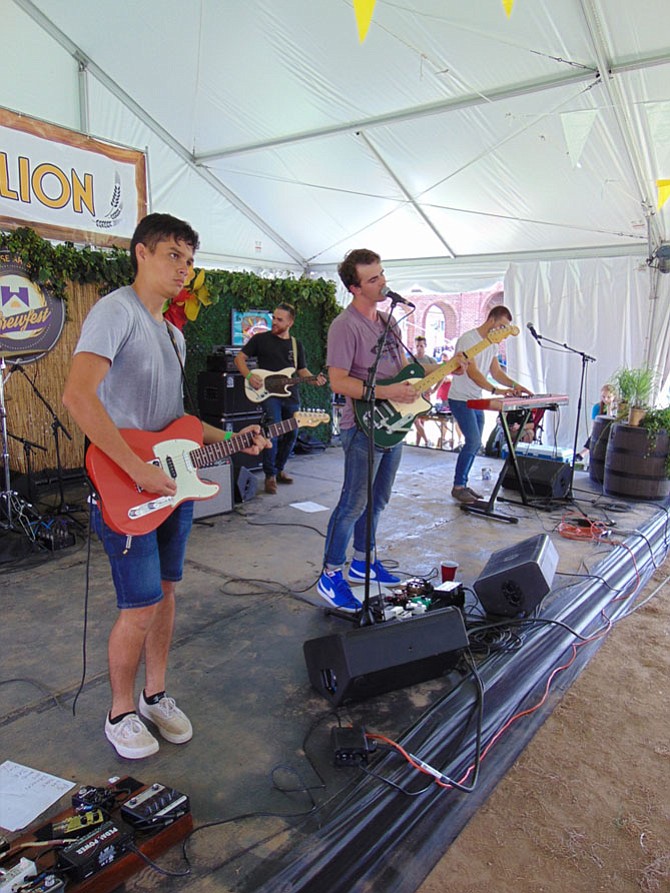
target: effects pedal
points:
(11, 878)
(47, 882)
(95, 851)
(78, 824)
(155, 806)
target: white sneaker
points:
(173, 724)
(131, 738)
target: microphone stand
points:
(56, 426)
(28, 447)
(366, 617)
(585, 359)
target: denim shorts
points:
(140, 563)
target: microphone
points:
(396, 298)
(531, 329)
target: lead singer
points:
(352, 340)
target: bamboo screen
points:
(27, 416)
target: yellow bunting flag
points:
(363, 10)
(663, 187)
(508, 5)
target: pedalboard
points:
(100, 842)
(157, 805)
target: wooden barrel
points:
(600, 435)
(635, 463)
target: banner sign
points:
(31, 319)
(66, 185)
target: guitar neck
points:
(444, 369)
(209, 455)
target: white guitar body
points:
(275, 384)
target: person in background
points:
(469, 386)
(276, 350)
(427, 362)
(605, 406)
(127, 373)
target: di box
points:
(222, 393)
(371, 660)
(516, 579)
(222, 475)
(540, 477)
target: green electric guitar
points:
(392, 421)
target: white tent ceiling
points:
(454, 136)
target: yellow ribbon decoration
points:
(508, 5)
(363, 10)
(663, 187)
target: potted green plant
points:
(657, 423)
(634, 387)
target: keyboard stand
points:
(487, 509)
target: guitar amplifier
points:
(235, 423)
(223, 501)
(222, 393)
(222, 359)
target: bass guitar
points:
(179, 451)
(275, 384)
(392, 421)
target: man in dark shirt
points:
(277, 351)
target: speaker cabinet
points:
(223, 501)
(222, 393)
(541, 477)
(515, 580)
(235, 423)
(371, 660)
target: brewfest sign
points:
(31, 319)
(66, 185)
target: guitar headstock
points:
(495, 336)
(310, 418)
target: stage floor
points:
(259, 769)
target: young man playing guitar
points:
(277, 350)
(352, 339)
(469, 386)
(126, 373)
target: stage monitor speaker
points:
(516, 579)
(222, 393)
(371, 660)
(541, 477)
(223, 501)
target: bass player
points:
(277, 350)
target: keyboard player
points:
(470, 386)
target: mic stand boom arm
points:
(585, 359)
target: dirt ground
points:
(587, 806)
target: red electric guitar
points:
(178, 450)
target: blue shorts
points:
(140, 563)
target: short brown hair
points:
(347, 269)
(155, 228)
(289, 308)
(499, 312)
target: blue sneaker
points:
(335, 590)
(378, 573)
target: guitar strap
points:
(294, 344)
(187, 390)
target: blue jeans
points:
(139, 563)
(349, 515)
(277, 410)
(471, 423)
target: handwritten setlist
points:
(25, 793)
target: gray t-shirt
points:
(143, 387)
(352, 339)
